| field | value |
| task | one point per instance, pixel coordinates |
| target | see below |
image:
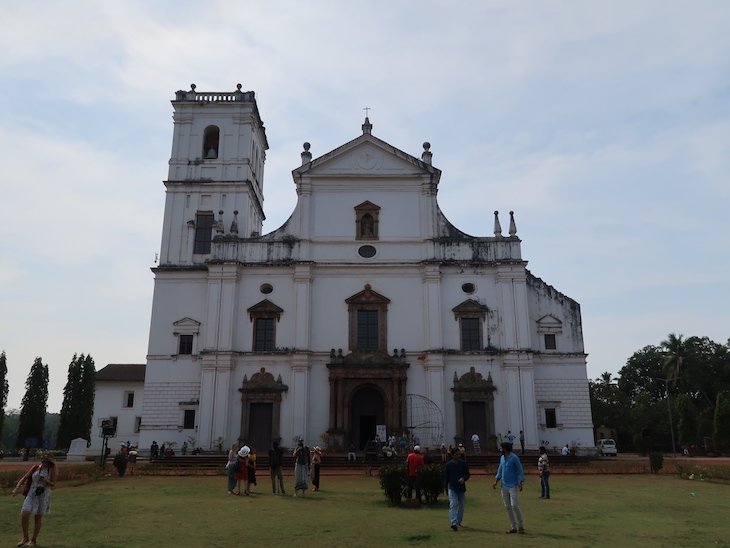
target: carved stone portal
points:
(366, 388)
(474, 405)
(261, 408)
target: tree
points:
(686, 419)
(675, 354)
(68, 423)
(4, 389)
(643, 373)
(722, 421)
(78, 401)
(609, 406)
(33, 406)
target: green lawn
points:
(155, 511)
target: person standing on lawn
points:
(456, 474)
(302, 462)
(316, 460)
(276, 456)
(543, 467)
(414, 462)
(512, 475)
(40, 480)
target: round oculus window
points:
(266, 288)
(366, 251)
(468, 288)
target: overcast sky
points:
(603, 125)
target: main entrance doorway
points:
(366, 411)
(260, 425)
(475, 420)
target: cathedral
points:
(367, 312)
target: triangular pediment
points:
(367, 205)
(367, 296)
(265, 308)
(363, 156)
(469, 307)
(186, 326)
(549, 324)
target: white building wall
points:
(313, 265)
(110, 401)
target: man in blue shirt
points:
(513, 476)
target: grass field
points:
(639, 510)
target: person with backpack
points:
(37, 484)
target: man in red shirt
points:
(414, 462)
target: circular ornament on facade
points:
(266, 288)
(468, 288)
(366, 251)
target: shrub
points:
(431, 478)
(656, 461)
(393, 481)
(718, 473)
(77, 472)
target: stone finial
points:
(234, 224)
(367, 127)
(306, 155)
(238, 94)
(427, 154)
(192, 87)
(219, 228)
(497, 226)
(512, 225)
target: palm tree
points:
(675, 350)
(606, 378)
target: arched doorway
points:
(367, 410)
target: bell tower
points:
(216, 172)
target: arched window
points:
(210, 142)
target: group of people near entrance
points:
(241, 468)
(510, 474)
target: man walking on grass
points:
(513, 476)
(456, 474)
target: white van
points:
(607, 447)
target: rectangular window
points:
(189, 419)
(137, 424)
(551, 420)
(128, 399)
(550, 343)
(203, 232)
(186, 344)
(471, 334)
(367, 330)
(263, 340)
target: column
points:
(432, 315)
(529, 406)
(300, 395)
(214, 407)
(302, 291)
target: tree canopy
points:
(33, 406)
(4, 389)
(77, 409)
(692, 372)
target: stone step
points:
(339, 460)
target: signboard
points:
(381, 432)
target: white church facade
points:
(367, 307)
